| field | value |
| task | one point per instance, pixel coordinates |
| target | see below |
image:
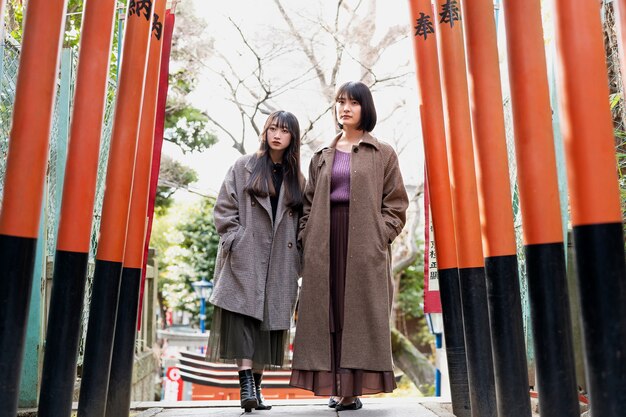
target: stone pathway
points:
(372, 407)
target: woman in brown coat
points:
(354, 207)
(255, 283)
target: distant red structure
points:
(219, 381)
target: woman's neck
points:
(352, 136)
(276, 156)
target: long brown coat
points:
(258, 265)
(378, 202)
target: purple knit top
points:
(340, 178)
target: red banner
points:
(432, 302)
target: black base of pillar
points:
(99, 343)
(17, 260)
(118, 398)
(478, 342)
(507, 337)
(63, 334)
(450, 293)
(602, 283)
(552, 330)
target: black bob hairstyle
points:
(356, 90)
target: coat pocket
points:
(229, 240)
(382, 231)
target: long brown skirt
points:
(340, 382)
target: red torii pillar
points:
(114, 224)
(119, 392)
(540, 206)
(74, 236)
(433, 129)
(494, 192)
(594, 200)
(465, 208)
(23, 185)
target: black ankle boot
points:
(248, 391)
(259, 397)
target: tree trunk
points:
(412, 362)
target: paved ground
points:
(372, 407)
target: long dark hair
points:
(260, 183)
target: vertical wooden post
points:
(433, 130)
(539, 197)
(119, 392)
(594, 200)
(496, 211)
(71, 257)
(465, 208)
(113, 227)
(23, 185)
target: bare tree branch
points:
(238, 145)
(409, 251)
(312, 122)
(307, 50)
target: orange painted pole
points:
(496, 211)
(433, 130)
(133, 256)
(113, 227)
(23, 185)
(118, 397)
(72, 252)
(541, 213)
(465, 208)
(594, 200)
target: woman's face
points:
(278, 138)
(348, 112)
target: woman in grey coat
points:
(258, 265)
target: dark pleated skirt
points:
(340, 382)
(236, 336)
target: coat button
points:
(253, 203)
(290, 213)
(356, 150)
(289, 245)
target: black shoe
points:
(332, 403)
(259, 396)
(356, 405)
(248, 390)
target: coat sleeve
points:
(226, 211)
(395, 199)
(307, 198)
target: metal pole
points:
(202, 314)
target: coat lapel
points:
(280, 210)
(263, 201)
(328, 155)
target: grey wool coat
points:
(258, 264)
(378, 203)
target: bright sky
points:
(259, 19)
